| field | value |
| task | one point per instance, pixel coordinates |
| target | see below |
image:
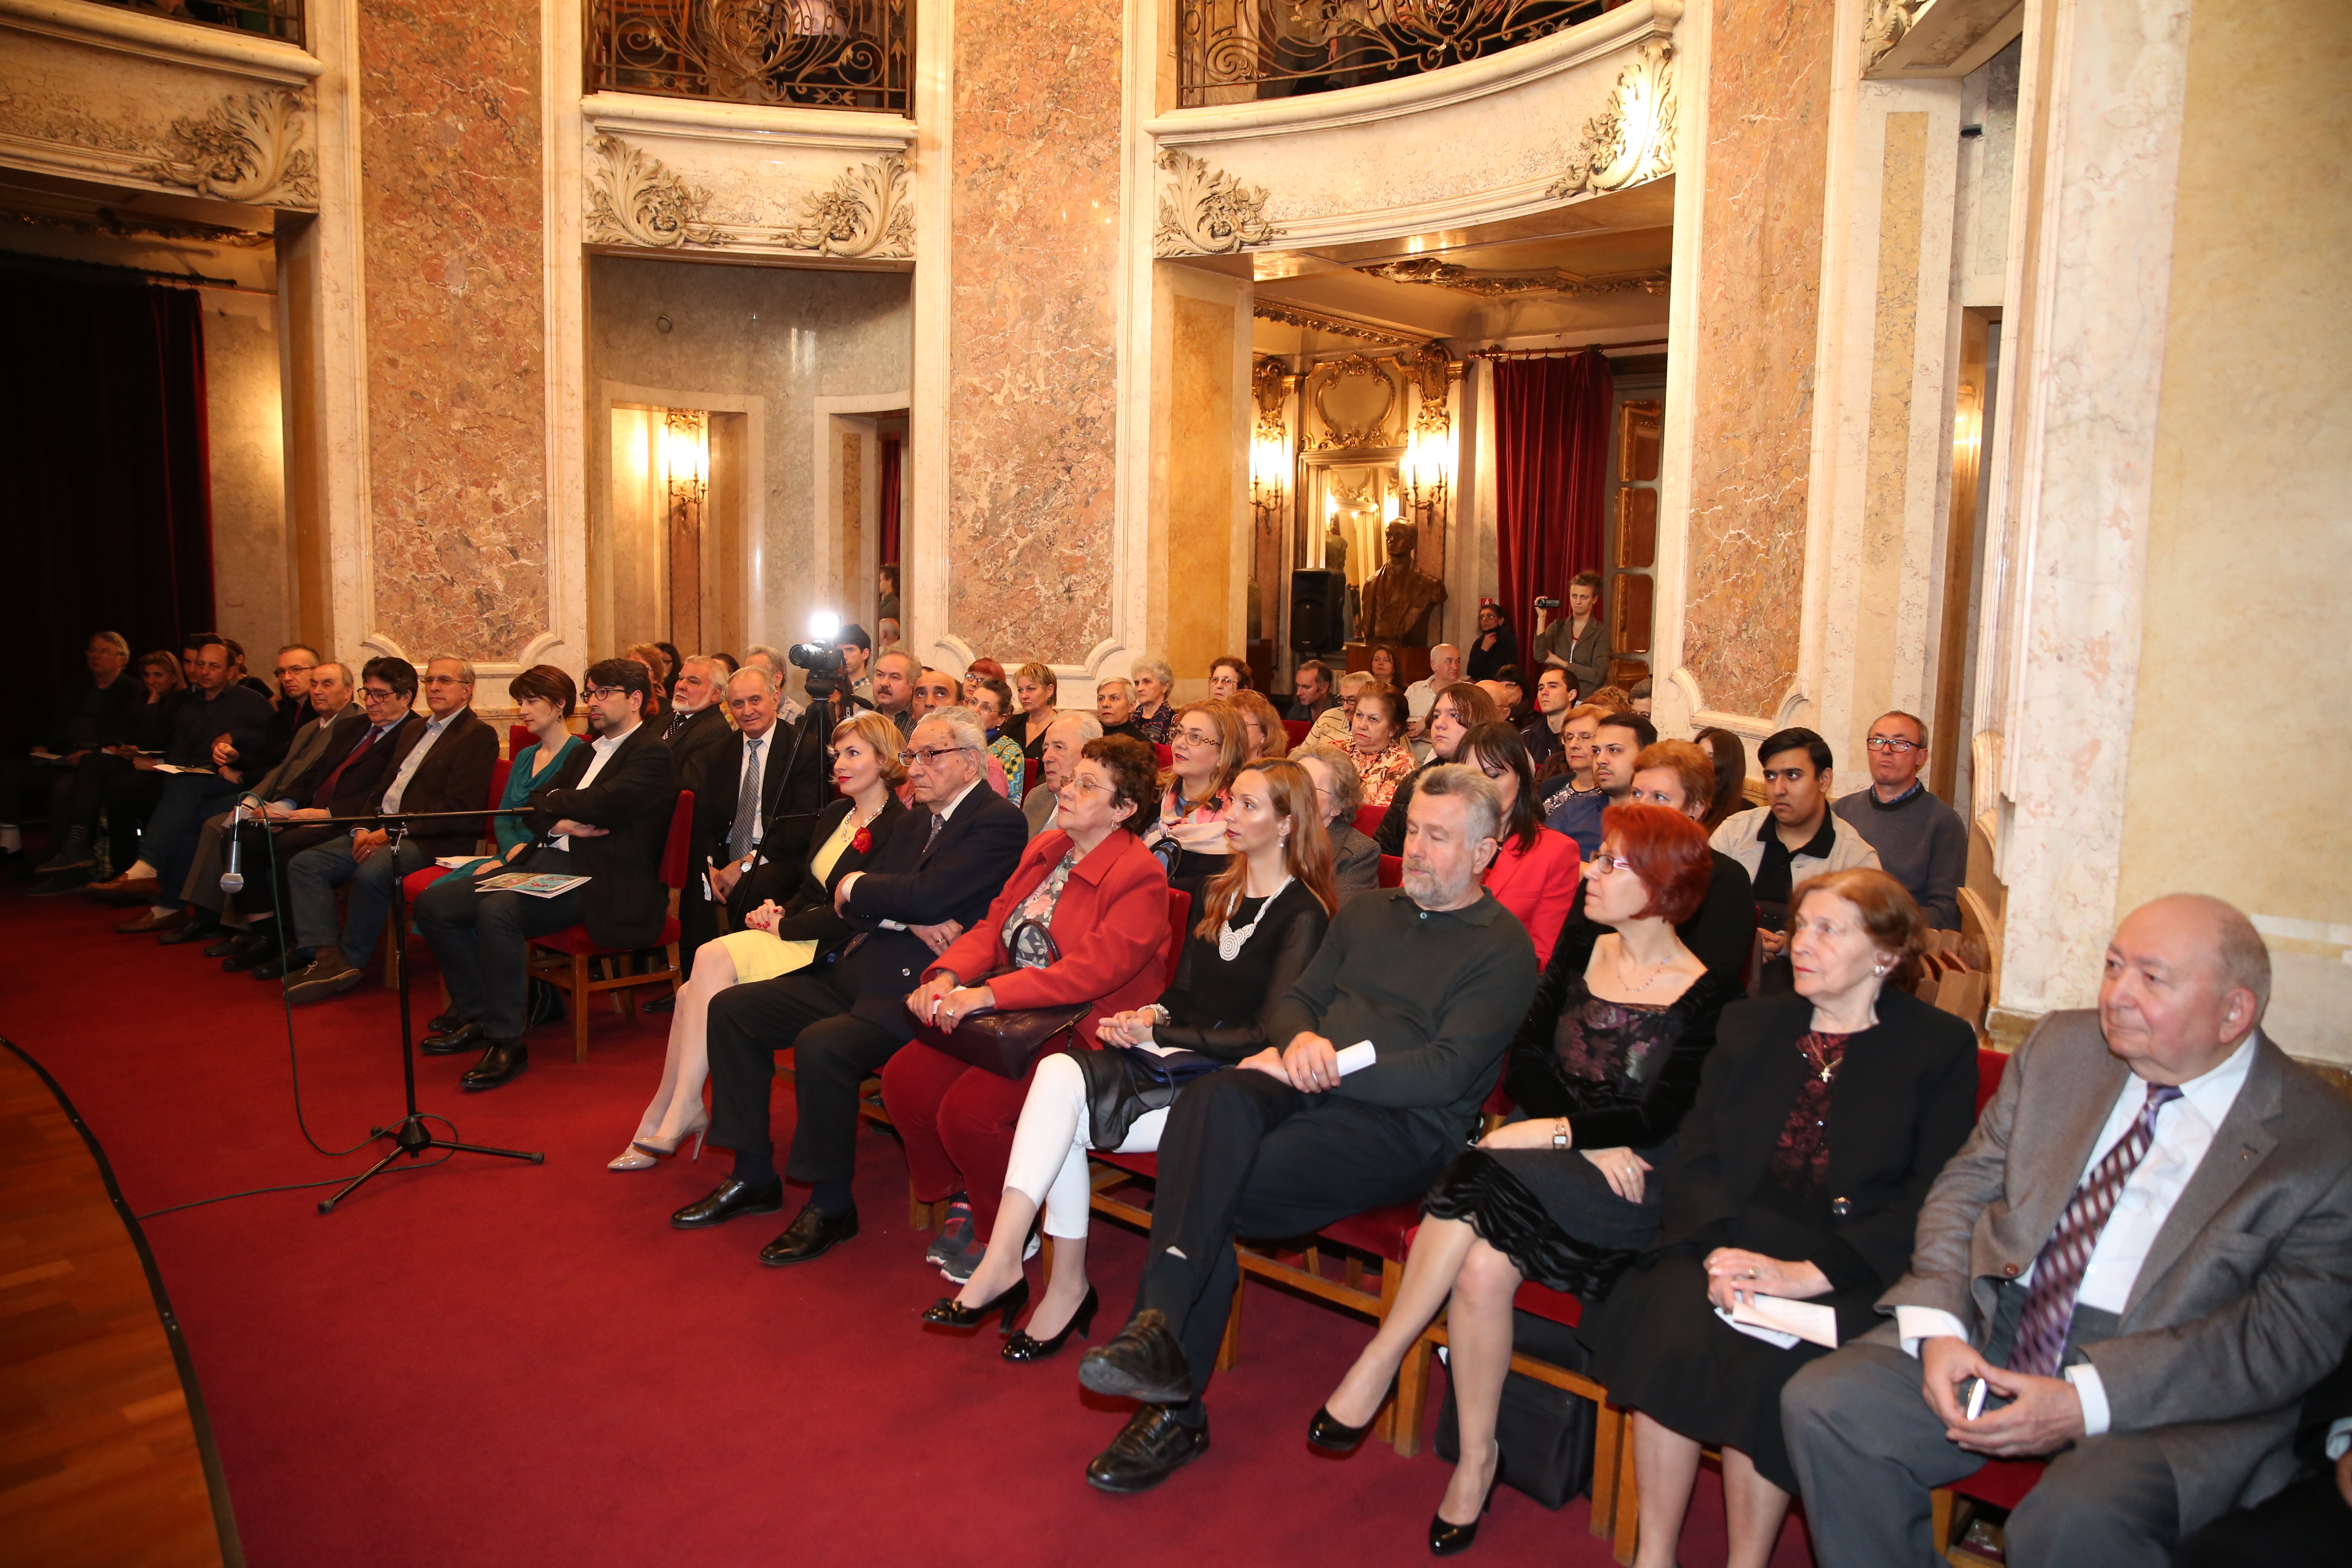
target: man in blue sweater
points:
(1921, 842)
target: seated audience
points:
(1536, 873)
(857, 668)
(1153, 683)
(1791, 1179)
(1386, 665)
(1310, 684)
(92, 714)
(1921, 842)
(1554, 696)
(1578, 641)
(1270, 906)
(672, 664)
(885, 628)
(1115, 709)
(334, 717)
(289, 707)
(934, 689)
(1458, 709)
(1376, 742)
(545, 700)
(2306, 1523)
(1677, 775)
(696, 722)
(795, 789)
(1790, 837)
(657, 672)
(216, 708)
(1035, 689)
(1497, 646)
(108, 781)
(1331, 727)
(1612, 700)
(604, 817)
(1262, 726)
(762, 778)
(1508, 687)
(441, 764)
(760, 656)
(932, 881)
(1227, 675)
(1355, 858)
(991, 700)
(1638, 697)
(1209, 745)
(1082, 920)
(1445, 670)
(1057, 761)
(894, 675)
(1437, 975)
(980, 670)
(1605, 1065)
(777, 938)
(1611, 740)
(239, 675)
(2142, 1252)
(1730, 756)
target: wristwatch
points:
(1560, 1134)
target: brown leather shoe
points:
(124, 889)
(152, 920)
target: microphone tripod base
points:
(412, 1139)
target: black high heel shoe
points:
(1445, 1539)
(944, 1312)
(1021, 1347)
(1333, 1436)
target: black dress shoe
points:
(944, 1314)
(227, 942)
(195, 930)
(1143, 1363)
(458, 1035)
(1333, 1436)
(250, 950)
(1153, 1446)
(275, 964)
(1024, 1348)
(734, 1196)
(501, 1063)
(813, 1233)
(441, 1023)
(1446, 1540)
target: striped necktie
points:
(2058, 1268)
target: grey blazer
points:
(1036, 806)
(2245, 1299)
(1587, 657)
(311, 737)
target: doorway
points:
(677, 526)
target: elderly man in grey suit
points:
(1058, 759)
(2145, 1251)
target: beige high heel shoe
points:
(652, 1146)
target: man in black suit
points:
(697, 720)
(843, 1021)
(605, 816)
(741, 790)
(442, 764)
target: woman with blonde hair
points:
(1034, 687)
(777, 939)
(1266, 737)
(1261, 919)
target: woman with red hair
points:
(1604, 1067)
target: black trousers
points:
(833, 1051)
(1243, 1154)
(2307, 1525)
(128, 796)
(482, 940)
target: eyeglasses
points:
(1192, 737)
(443, 681)
(286, 670)
(598, 693)
(1896, 743)
(1081, 784)
(930, 755)
(372, 695)
(1602, 865)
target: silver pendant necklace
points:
(1229, 940)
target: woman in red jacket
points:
(1101, 895)
(1536, 871)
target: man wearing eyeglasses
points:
(291, 713)
(1921, 842)
(605, 816)
(842, 1021)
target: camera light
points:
(824, 627)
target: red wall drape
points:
(102, 436)
(1551, 467)
(891, 447)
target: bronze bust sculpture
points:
(1399, 599)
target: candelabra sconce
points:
(1271, 457)
(686, 456)
(1426, 474)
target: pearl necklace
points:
(1229, 940)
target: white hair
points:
(1089, 727)
(1482, 803)
(1158, 669)
(963, 724)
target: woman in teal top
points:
(991, 700)
(546, 698)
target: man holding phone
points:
(1793, 836)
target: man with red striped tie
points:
(2134, 1268)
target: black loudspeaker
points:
(1317, 595)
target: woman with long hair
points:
(1377, 745)
(1730, 756)
(1261, 920)
(777, 941)
(1263, 725)
(1387, 664)
(1536, 870)
(1207, 746)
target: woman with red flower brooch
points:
(777, 939)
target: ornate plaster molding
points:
(1885, 26)
(1633, 140)
(247, 148)
(1431, 271)
(1338, 326)
(1207, 212)
(635, 199)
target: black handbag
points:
(1546, 1434)
(1008, 1042)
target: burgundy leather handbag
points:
(1009, 1042)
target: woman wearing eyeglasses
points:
(1208, 746)
(849, 835)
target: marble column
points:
(453, 190)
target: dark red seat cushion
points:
(1557, 1306)
(1383, 1232)
(2002, 1482)
(575, 940)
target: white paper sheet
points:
(1782, 1323)
(1356, 1058)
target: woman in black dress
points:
(1604, 1066)
(1821, 1121)
(1261, 919)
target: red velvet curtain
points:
(891, 447)
(1551, 465)
(102, 436)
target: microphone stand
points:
(410, 1136)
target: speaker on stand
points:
(1317, 597)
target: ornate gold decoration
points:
(633, 198)
(1337, 432)
(1883, 27)
(1207, 212)
(247, 150)
(1430, 369)
(119, 224)
(1270, 385)
(828, 54)
(1429, 269)
(1318, 46)
(1632, 140)
(1338, 326)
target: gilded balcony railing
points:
(272, 18)
(1237, 51)
(822, 54)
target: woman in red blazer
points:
(1536, 871)
(1104, 898)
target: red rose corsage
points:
(863, 841)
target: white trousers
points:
(1049, 1146)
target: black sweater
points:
(1220, 1009)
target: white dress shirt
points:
(2184, 1132)
(755, 763)
(600, 752)
(409, 763)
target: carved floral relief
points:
(1633, 140)
(1207, 212)
(635, 199)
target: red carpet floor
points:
(503, 1363)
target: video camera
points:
(819, 657)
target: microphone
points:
(233, 880)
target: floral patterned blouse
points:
(1383, 773)
(1155, 726)
(1801, 1159)
(1028, 944)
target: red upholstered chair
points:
(519, 739)
(1030, 770)
(1165, 758)
(1368, 819)
(1392, 874)
(567, 955)
(1296, 729)
(1180, 915)
(424, 877)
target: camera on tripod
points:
(819, 657)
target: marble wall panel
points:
(452, 201)
(1759, 309)
(252, 567)
(1894, 349)
(1032, 330)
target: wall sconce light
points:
(686, 453)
